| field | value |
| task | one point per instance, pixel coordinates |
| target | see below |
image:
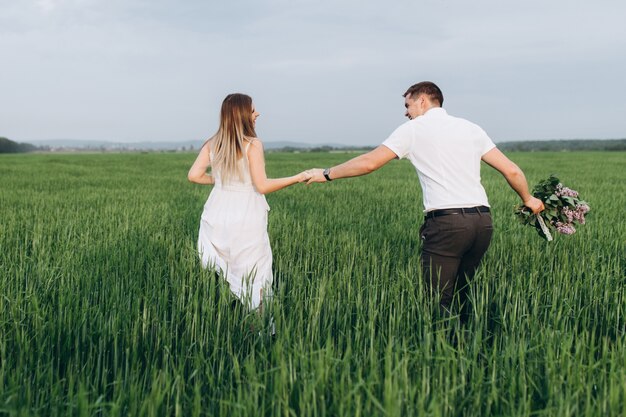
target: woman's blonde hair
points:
(236, 128)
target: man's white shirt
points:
(446, 152)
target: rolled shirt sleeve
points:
(400, 140)
(486, 144)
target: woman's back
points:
(241, 178)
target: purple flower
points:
(565, 191)
(565, 228)
(569, 214)
(579, 213)
(583, 208)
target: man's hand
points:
(315, 175)
(535, 205)
(303, 176)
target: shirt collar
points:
(436, 111)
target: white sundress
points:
(233, 237)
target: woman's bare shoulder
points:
(256, 142)
(206, 146)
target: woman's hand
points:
(304, 176)
(316, 175)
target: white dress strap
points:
(248, 146)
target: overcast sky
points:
(319, 71)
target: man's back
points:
(446, 153)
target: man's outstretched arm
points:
(514, 176)
(361, 165)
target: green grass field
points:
(105, 310)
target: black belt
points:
(465, 210)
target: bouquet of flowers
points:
(563, 209)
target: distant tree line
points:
(324, 148)
(565, 145)
(525, 146)
(8, 146)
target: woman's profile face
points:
(255, 113)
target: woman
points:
(233, 228)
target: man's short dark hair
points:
(428, 88)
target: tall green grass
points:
(105, 310)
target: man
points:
(446, 152)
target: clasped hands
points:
(312, 175)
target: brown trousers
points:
(452, 248)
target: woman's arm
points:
(197, 173)
(263, 184)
